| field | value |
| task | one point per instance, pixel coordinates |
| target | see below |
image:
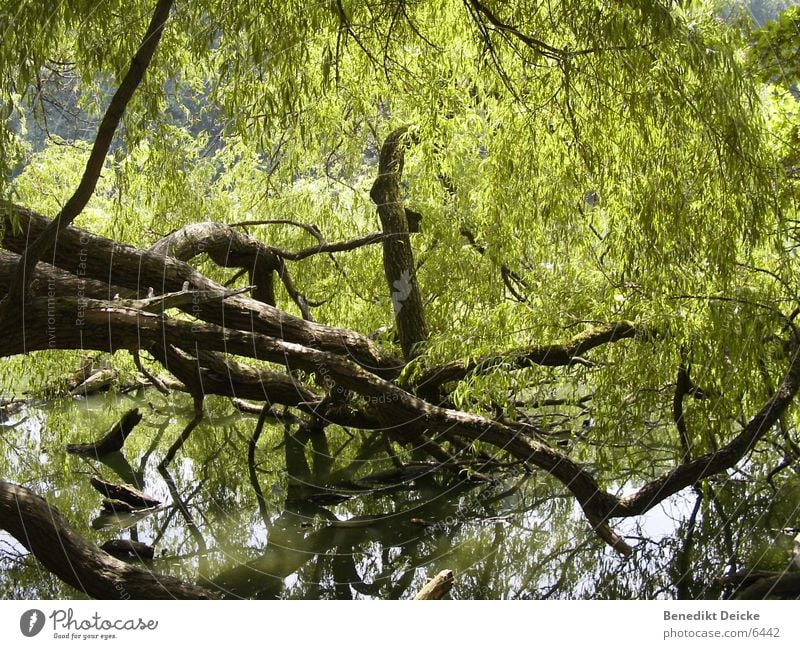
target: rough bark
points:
(88, 256)
(398, 256)
(393, 404)
(43, 530)
(547, 355)
(227, 248)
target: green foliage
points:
(776, 46)
(638, 163)
(629, 176)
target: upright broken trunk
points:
(398, 257)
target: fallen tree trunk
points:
(110, 325)
(89, 256)
(44, 531)
(112, 441)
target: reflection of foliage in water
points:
(523, 538)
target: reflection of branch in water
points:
(344, 572)
(198, 400)
(174, 510)
(112, 441)
(370, 445)
(297, 469)
(345, 575)
(491, 559)
(685, 579)
(566, 564)
(291, 546)
(162, 428)
(323, 461)
(23, 454)
(119, 464)
(187, 516)
(75, 560)
(727, 535)
(251, 463)
(402, 583)
(7, 426)
(110, 518)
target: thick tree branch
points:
(555, 355)
(81, 564)
(215, 374)
(94, 165)
(727, 457)
(231, 249)
(227, 248)
(89, 256)
(108, 325)
(398, 256)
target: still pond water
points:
(330, 516)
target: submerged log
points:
(117, 506)
(113, 440)
(125, 548)
(124, 492)
(63, 551)
(97, 382)
(117, 519)
(437, 587)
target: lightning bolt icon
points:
(32, 621)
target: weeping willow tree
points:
(560, 233)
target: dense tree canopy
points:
(557, 234)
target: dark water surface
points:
(283, 528)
